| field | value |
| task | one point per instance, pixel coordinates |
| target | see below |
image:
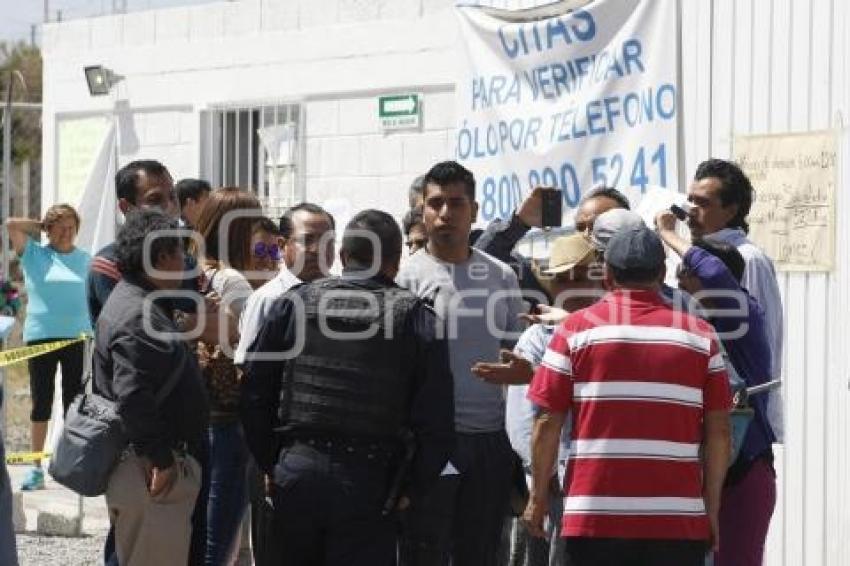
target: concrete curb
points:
(55, 521)
(19, 517)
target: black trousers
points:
(262, 517)
(460, 520)
(200, 450)
(43, 371)
(587, 551)
(327, 509)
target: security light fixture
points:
(101, 80)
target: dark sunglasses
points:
(262, 250)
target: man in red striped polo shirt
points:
(646, 388)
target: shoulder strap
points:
(163, 392)
(287, 386)
(170, 384)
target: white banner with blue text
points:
(571, 100)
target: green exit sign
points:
(399, 111)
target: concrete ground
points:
(40, 549)
(57, 499)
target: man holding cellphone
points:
(721, 196)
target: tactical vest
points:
(353, 375)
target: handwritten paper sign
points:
(793, 213)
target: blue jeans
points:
(533, 551)
(8, 554)
(228, 498)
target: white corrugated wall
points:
(773, 66)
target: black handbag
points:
(93, 440)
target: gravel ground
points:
(37, 550)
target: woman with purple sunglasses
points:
(266, 252)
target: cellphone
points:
(681, 210)
(552, 208)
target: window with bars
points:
(258, 148)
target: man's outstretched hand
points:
(511, 370)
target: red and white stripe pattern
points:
(638, 378)
(105, 267)
(648, 391)
(632, 448)
(632, 334)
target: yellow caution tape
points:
(10, 357)
(26, 457)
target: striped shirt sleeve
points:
(552, 385)
(105, 267)
(716, 394)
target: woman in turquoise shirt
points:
(55, 276)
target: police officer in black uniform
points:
(348, 404)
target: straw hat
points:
(568, 252)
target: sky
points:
(16, 16)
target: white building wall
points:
(749, 66)
(757, 66)
(335, 56)
(348, 155)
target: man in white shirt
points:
(721, 196)
(307, 231)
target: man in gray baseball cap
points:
(633, 347)
(635, 255)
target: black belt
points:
(379, 452)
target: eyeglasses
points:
(272, 251)
(312, 241)
(416, 243)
